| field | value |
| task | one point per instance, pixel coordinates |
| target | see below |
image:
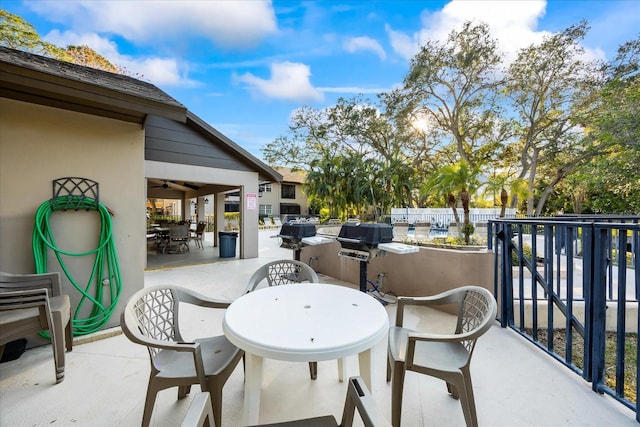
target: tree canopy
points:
(550, 132)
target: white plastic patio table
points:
(302, 323)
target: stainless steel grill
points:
(292, 235)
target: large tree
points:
(352, 134)
(550, 85)
(611, 181)
(450, 92)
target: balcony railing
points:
(571, 285)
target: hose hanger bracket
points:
(77, 192)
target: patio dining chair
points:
(197, 234)
(283, 272)
(30, 303)
(178, 239)
(444, 356)
(358, 398)
(151, 318)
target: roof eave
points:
(29, 85)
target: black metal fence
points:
(571, 285)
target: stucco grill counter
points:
(366, 241)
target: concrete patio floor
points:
(515, 384)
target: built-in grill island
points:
(366, 241)
(296, 235)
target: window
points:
(265, 210)
(264, 188)
(289, 208)
(288, 191)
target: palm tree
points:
(459, 178)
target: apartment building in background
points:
(286, 198)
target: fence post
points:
(598, 306)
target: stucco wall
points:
(427, 272)
(39, 144)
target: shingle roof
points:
(37, 78)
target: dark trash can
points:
(227, 243)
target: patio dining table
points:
(302, 323)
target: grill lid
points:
(364, 233)
(297, 230)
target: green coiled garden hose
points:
(105, 273)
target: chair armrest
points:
(195, 298)
(18, 282)
(452, 296)
(359, 396)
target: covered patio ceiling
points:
(167, 188)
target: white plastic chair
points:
(358, 398)
(444, 356)
(151, 318)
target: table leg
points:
(366, 368)
(252, 386)
(342, 369)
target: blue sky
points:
(245, 66)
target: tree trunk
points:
(504, 198)
(466, 199)
(560, 174)
(451, 201)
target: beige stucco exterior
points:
(39, 144)
(427, 272)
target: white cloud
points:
(353, 89)
(159, 71)
(355, 44)
(512, 22)
(228, 24)
(289, 81)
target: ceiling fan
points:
(163, 185)
(166, 184)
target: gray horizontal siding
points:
(173, 142)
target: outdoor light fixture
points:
(206, 201)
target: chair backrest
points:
(14, 282)
(282, 272)
(24, 312)
(200, 413)
(152, 314)
(200, 227)
(477, 308)
(179, 231)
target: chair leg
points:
(68, 336)
(397, 384)
(183, 390)
(313, 370)
(453, 391)
(149, 403)
(467, 401)
(57, 342)
(388, 368)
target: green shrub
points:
(527, 252)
